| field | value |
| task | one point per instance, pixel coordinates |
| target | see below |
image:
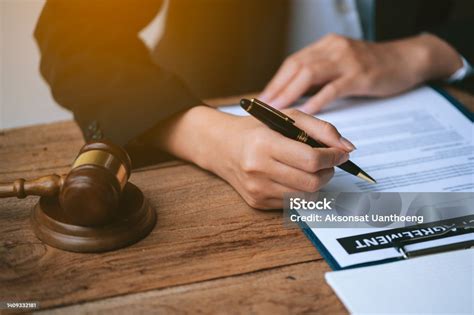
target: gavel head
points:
(91, 192)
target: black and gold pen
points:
(283, 124)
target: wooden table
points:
(209, 251)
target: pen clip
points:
(273, 110)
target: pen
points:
(283, 124)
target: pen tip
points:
(366, 177)
(245, 103)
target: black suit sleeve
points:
(458, 34)
(97, 66)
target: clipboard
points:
(401, 246)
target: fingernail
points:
(347, 144)
(343, 158)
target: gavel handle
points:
(44, 186)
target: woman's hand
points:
(343, 67)
(258, 162)
(262, 165)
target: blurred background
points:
(24, 96)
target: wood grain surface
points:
(292, 289)
(209, 252)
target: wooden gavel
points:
(93, 207)
(90, 193)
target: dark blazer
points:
(98, 68)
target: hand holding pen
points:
(261, 164)
(285, 125)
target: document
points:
(434, 284)
(414, 142)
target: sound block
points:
(133, 221)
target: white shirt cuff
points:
(463, 72)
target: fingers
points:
(301, 82)
(299, 180)
(294, 153)
(277, 190)
(330, 92)
(292, 81)
(263, 189)
(306, 158)
(321, 131)
(263, 193)
(343, 66)
(284, 75)
(269, 194)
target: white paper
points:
(441, 283)
(414, 142)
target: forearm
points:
(103, 72)
(193, 135)
(425, 57)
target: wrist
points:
(436, 59)
(194, 135)
(210, 128)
